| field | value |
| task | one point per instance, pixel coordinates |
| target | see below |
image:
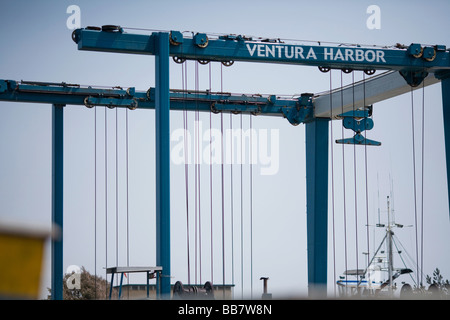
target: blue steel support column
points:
(445, 84)
(162, 161)
(57, 201)
(317, 204)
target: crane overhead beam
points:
(364, 93)
(229, 48)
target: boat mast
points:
(389, 242)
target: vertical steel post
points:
(317, 204)
(111, 286)
(162, 107)
(57, 201)
(148, 284)
(120, 287)
(445, 84)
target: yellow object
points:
(21, 253)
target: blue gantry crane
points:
(406, 68)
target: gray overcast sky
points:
(37, 46)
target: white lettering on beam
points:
(354, 55)
(329, 54)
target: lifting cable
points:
(106, 193)
(242, 213)
(355, 178)
(222, 179)
(199, 179)
(197, 190)
(414, 179)
(128, 195)
(401, 257)
(232, 197)
(366, 174)
(423, 166)
(354, 173)
(422, 185)
(332, 183)
(117, 191)
(211, 183)
(95, 202)
(198, 256)
(186, 167)
(106, 201)
(343, 178)
(251, 204)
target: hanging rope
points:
(186, 168)
(106, 199)
(198, 258)
(95, 201)
(355, 183)
(251, 204)
(332, 185)
(366, 174)
(423, 167)
(106, 193)
(197, 224)
(242, 213)
(343, 178)
(127, 194)
(117, 190)
(199, 186)
(232, 198)
(223, 189)
(211, 183)
(410, 259)
(414, 177)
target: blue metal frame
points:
(414, 63)
(317, 203)
(162, 124)
(57, 200)
(445, 84)
(240, 48)
(295, 110)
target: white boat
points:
(378, 277)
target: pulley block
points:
(193, 292)
(358, 121)
(201, 40)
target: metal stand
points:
(152, 272)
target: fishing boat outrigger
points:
(380, 274)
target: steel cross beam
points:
(413, 63)
(295, 110)
(200, 46)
